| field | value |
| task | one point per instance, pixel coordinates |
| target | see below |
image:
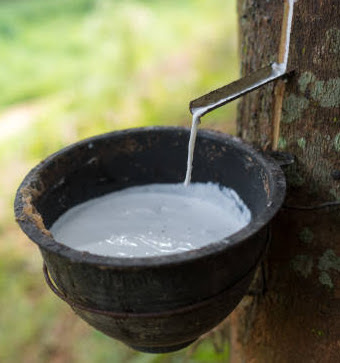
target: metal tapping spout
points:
(232, 91)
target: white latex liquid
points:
(151, 220)
(191, 147)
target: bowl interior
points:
(113, 161)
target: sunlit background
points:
(72, 69)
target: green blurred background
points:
(74, 68)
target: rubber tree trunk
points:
(298, 318)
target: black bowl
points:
(154, 304)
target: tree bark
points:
(298, 318)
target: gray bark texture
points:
(298, 318)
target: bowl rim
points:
(47, 242)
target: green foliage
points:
(72, 69)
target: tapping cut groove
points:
(282, 59)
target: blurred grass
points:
(72, 69)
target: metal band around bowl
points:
(52, 285)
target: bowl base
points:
(155, 350)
